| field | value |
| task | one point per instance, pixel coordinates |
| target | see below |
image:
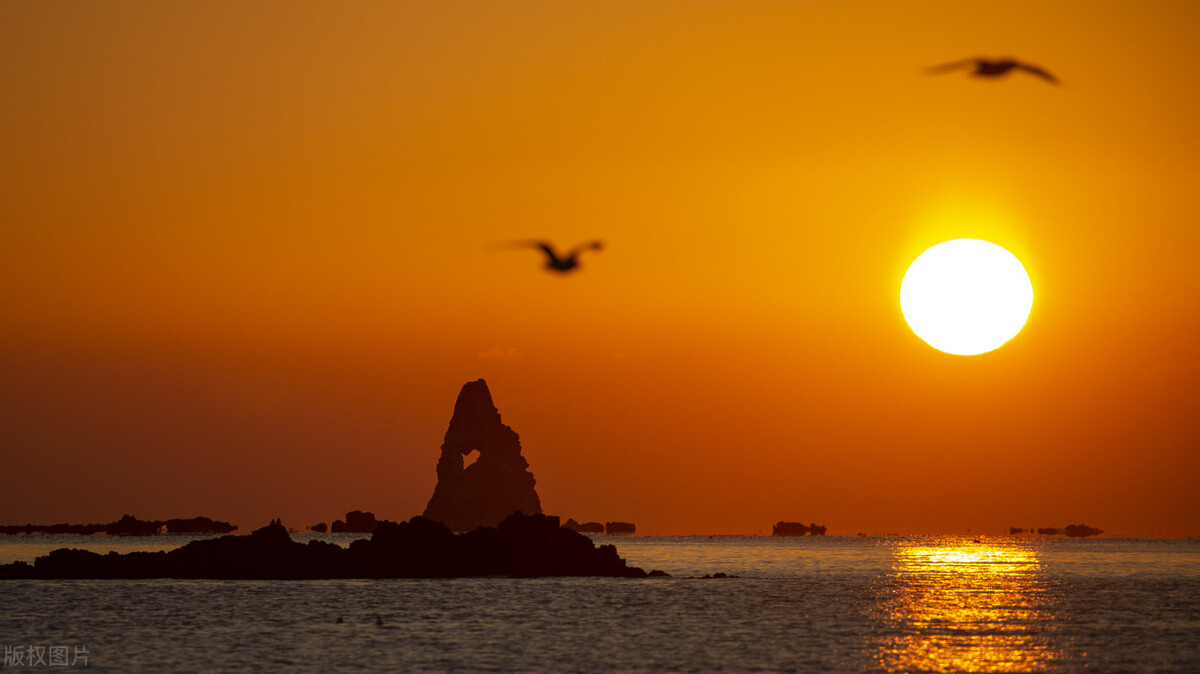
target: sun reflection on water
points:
(959, 605)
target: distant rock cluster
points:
(520, 546)
(497, 483)
(1071, 530)
(797, 529)
(127, 526)
(610, 528)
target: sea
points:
(811, 604)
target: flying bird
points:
(982, 67)
(559, 263)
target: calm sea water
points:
(800, 604)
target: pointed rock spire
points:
(494, 486)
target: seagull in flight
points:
(982, 67)
(558, 263)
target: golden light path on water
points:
(967, 606)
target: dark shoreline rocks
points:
(127, 526)
(521, 546)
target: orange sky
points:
(244, 266)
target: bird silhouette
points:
(982, 67)
(559, 263)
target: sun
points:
(966, 296)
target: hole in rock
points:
(470, 457)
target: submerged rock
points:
(521, 546)
(497, 483)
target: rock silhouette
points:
(1071, 530)
(127, 526)
(620, 528)
(796, 529)
(357, 522)
(1081, 531)
(497, 484)
(585, 528)
(521, 546)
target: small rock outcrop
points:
(1081, 531)
(585, 528)
(621, 528)
(521, 546)
(357, 522)
(497, 484)
(319, 528)
(797, 529)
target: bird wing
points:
(1034, 70)
(540, 245)
(949, 67)
(590, 245)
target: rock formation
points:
(797, 529)
(1071, 530)
(127, 526)
(585, 528)
(620, 528)
(357, 522)
(497, 484)
(521, 546)
(1081, 531)
(788, 529)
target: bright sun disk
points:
(966, 296)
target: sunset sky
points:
(245, 260)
